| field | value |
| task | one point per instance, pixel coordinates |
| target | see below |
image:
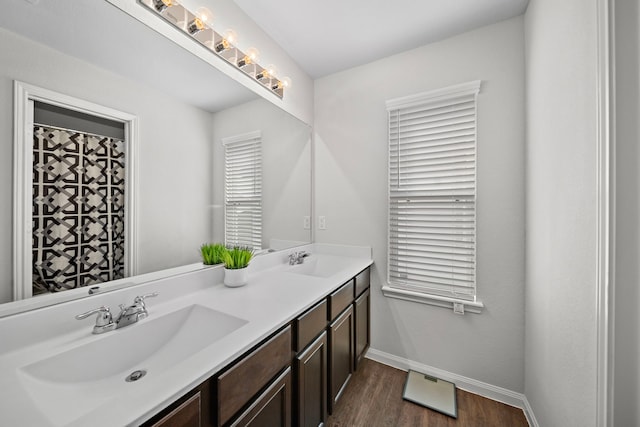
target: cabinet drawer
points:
(310, 324)
(240, 383)
(340, 299)
(185, 415)
(362, 282)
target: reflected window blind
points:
(243, 190)
(432, 192)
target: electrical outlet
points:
(322, 222)
(306, 223)
(458, 308)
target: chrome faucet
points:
(128, 315)
(133, 313)
(298, 257)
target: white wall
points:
(560, 368)
(286, 168)
(627, 212)
(351, 191)
(174, 192)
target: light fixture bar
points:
(196, 27)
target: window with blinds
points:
(243, 190)
(432, 192)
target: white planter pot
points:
(234, 278)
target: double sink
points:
(95, 371)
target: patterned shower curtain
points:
(78, 209)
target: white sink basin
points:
(93, 373)
(319, 266)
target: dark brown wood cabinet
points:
(362, 317)
(294, 377)
(272, 408)
(341, 354)
(311, 387)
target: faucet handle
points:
(104, 320)
(104, 315)
(141, 298)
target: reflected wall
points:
(286, 171)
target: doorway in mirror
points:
(73, 192)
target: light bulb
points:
(250, 56)
(231, 36)
(283, 83)
(162, 5)
(268, 72)
(228, 39)
(200, 21)
(204, 15)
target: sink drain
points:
(135, 375)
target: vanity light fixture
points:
(250, 56)
(266, 73)
(230, 37)
(198, 28)
(162, 5)
(281, 84)
(202, 18)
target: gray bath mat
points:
(431, 392)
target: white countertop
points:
(269, 301)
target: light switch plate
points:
(322, 222)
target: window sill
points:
(439, 301)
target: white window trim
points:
(425, 98)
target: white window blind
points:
(243, 190)
(432, 192)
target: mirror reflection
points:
(183, 108)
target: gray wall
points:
(627, 212)
(174, 193)
(351, 191)
(561, 255)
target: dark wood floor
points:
(373, 397)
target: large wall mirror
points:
(183, 108)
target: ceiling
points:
(328, 36)
(323, 37)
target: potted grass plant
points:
(236, 260)
(212, 253)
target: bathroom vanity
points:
(280, 349)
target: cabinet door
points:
(272, 408)
(362, 317)
(341, 354)
(311, 382)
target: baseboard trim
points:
(489, 391)
(528, 412)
